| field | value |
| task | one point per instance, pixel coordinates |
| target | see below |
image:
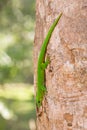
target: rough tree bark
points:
(65, 104)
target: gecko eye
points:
(38, 101)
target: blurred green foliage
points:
(17, 108)
(17, 20)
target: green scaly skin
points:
(42, 65)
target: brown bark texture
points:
(65, 104)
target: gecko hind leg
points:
(45, 64)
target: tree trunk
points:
(65, 104)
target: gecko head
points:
(38, 102)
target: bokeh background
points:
(17, 105)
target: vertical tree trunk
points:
(65, 104)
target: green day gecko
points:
(42, 65)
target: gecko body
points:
(42, 65)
